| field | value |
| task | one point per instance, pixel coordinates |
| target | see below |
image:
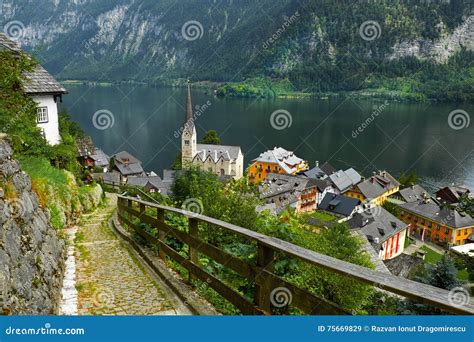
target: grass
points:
(431, 257)
(326, 217)
(463, 275)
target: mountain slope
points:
(319, 45)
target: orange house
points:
(277, 160)
(431, 221)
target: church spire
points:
(189, 106)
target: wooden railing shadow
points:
(261, 273)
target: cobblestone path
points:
(109, 278)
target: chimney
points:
(317, 163)
(126, 161)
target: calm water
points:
(403, 137)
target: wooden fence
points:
(268, 285)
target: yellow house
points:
(376, 189)
(430, 220)
(277, 160)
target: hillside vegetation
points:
(54, 172)
(411, 50)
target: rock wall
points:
(31, 252)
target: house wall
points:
(435, 231)
(380, 200)
(230, 168)
(393, 246)
(307, 201)
(50, 128)
(258, 171)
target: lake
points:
(365, 134)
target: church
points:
(225, 161)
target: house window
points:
(42, 115)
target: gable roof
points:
(286, 160)
(452, 194)
(328, 168)
(217, 152)
(123, 156)
(100, 158)
(377, 224)
(143, 180)
(412, 193)
(443, 214)
(338, 204)
(127, 164)
(344, 180)
(377, 185)
(38, 81)
(85, 146)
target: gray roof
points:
(344, 180)
(108, 177)
(442, 214)
(127, 164)
(85, 146)
(38, 81)
(412, 193)
(141, 181)
(328, 168)
(100, 158)
(315, 172)
(377, 224)
(338, 204)
(378, 184)
(9, 44)
(217, 152)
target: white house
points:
(225, 161)
(45, 91)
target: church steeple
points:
(188, 118)
(189, 136)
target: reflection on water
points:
(367, 135)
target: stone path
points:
(109, 278)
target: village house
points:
(385, 232)
(44, 90)
(452, 194)
(319, 172)
(411, 194)
(375, 190)
(282, 191)
(219, 159)
(433, 220)
(343, 181)
(90, 156)
(127, 165)
(151, 184)
(277, 160)
(339, 205)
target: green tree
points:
(211, 137)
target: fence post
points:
(160, 217)
(142, 210)
(263, 286)
(193, 254)
(129, 204)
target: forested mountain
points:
(317, 45)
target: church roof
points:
(217, 152)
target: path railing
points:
(261, 273)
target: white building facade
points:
(224, 161)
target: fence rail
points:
(266, 281)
